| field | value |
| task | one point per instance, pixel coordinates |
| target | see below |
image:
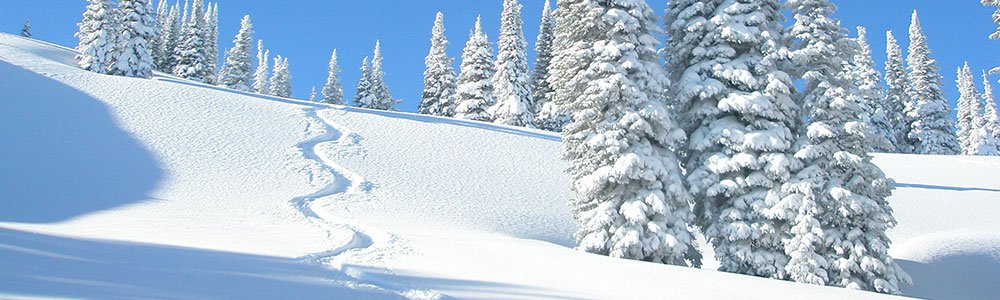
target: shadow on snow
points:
(63, 155)
(47, 266)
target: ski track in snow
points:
(367, 244)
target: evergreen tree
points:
(211, 31)
(137, 28)
(474, 94)
(26, 30)
(184, 16)
(969, 121)
(931, 131)
(511, 81)
(363, 93)
(739, 116)
(996, 19)
(378, 95)
(190, 52)
(312, 94)
(169, 39)
(548, 116)
(897, 97)
(837, 201)
(237, 71)
(991, 121)
(686, 25)
(260, 84)
(97, 35)
(868, 81)
(162, 13)
(333, 90)
(281, 78)
(439, 77)
(631, 201)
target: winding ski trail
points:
(341, 184)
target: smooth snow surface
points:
(119, 188)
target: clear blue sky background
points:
(307, 30)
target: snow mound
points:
(132, 188)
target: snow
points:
(163, 188)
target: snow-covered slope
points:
(116, 188)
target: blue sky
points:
(306, 31)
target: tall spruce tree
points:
(837, 201)
(474, 94)
(333, 90)
(739, 115)
(379, 95)
(169, 39)
(363, 93)
(281, 78)
(932, 131)
(162, 13)
(991, 119)
(897, 97)
(439, 78)
(190, 52)
(969, 123)
(548, 116)
(137, 28)
(869, 83)
(511, 81)
(211, 32)
(97, 35)
(26, 29)
(260, 85)
(237, 71)
(686, 24)
(631, 201)
(996, 19)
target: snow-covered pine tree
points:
(169, 35)
(312, 94)
(190, 52)
(991, 120)
(26, 29)
(162, 13)
(211, 32)
(969, 121)
(439, 78)
(184, 15)
(869, 84)
(475, 84)
(511, 81)
(686, 24)
(836, 201)
(379, 96)
(739, 115)
(333, 90)
(996, 19)
(932, 131)
(281, 78)
(260, 85)
(137, 28)
(631, 201)
(548, 116)
(363, 93)
(897, 98)
(97, 35)
(237, 71)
